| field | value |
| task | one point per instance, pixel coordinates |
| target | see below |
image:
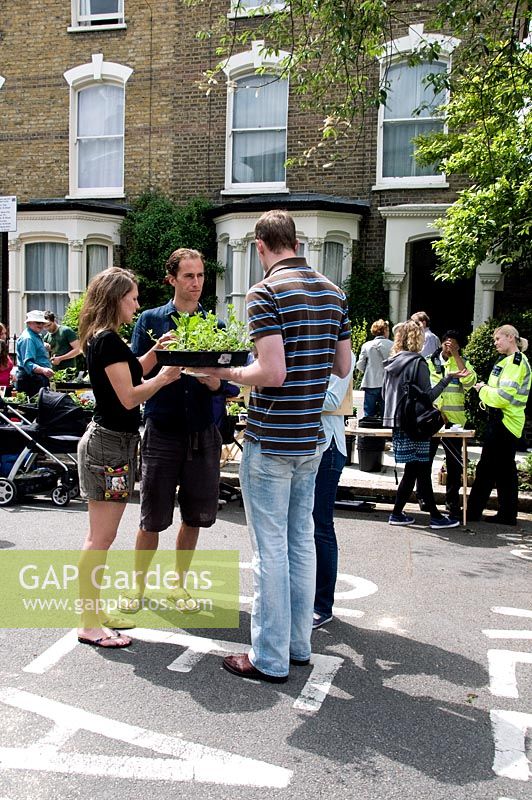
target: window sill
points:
(428, 184)
(97, 194)
(120, 26)
(255, 188)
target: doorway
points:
(449, 305)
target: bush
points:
(153, 229)
(524, 474)
(366, 297)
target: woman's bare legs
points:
(104, 519)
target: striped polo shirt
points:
(310, 313)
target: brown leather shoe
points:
(241, 665)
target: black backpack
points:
(416, 416)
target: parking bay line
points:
(191, 762)
(317, 686)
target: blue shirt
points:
(333, 424)
(31, 352)
(184, 406)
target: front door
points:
(449, 305)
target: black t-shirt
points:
(104, 349)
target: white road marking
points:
(190, 762)
(526, 555)
(360, 587)
(338, 611)
(53, 654)
(502, 664)
(512, 612)
(497, 633)
(509, 734)
(324, 667)
(316, 689)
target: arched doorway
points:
(449, 305)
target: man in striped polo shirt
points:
(299, 324)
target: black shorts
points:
(190, 461)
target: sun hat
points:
(35, 316)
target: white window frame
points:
(239, 9)
(82, 22)
(396, 51)
(236, 67)
(79, 78)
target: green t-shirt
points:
(60, 344)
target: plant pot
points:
(202, 358)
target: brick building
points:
(102, 101)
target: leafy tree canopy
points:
(333, 47)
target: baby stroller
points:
(30, 451)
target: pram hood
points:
(59, 415)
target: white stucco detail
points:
(74, 228)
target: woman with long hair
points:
(107, 452)
(504, 397)
(406, 364)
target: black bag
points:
(417, 417)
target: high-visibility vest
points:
(508, 388)
(451, 400)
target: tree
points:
(489, 139)
(153, 229)
(333, 46)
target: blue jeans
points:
(373, 402)
(277, 493)
(330, 469)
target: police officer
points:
(505, 397)
(451, 403)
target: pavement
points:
(381, 486)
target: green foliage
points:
(366, 297)
(524, 474)
(153, 229)
(195, 332)
(71, 315)
(359, 334)
(489, 139)
(480, 351)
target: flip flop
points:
(100, 642)
(130, 604)
(183, 601)
(117, 623)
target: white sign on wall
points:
(8, 213)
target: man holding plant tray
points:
(299, 324)
(181, 444)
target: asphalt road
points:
(424, 690)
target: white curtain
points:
(407, 90)
(100, 136)
(256, 272)
(97, 260)
(333, 258)
(46, 277)
(259, 129)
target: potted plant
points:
(199, 341)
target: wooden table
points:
(446, 433)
